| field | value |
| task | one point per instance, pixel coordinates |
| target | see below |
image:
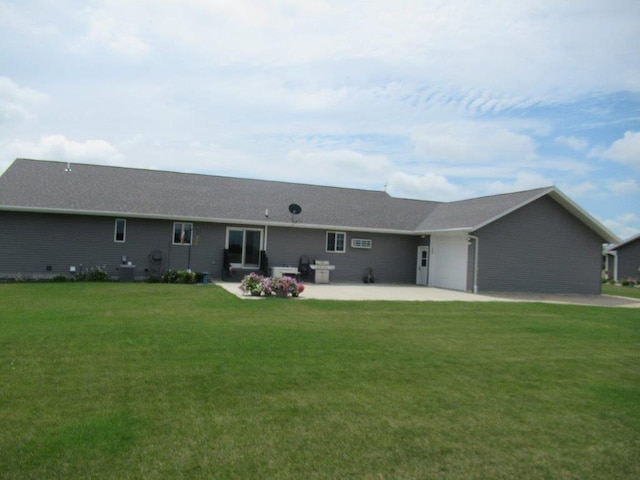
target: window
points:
(120, 230)
(336, 242)
(182, 233)
(244, 247)
(361, 243)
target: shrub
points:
(95, 274)
(185, 276)
(179, 276)
(170, 276)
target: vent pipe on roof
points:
(68, 168)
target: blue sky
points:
(438, 100)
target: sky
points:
(436, 100)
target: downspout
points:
(476, 245)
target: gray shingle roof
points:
(473, 213)
(613, 248)
(35, 185)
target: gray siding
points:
(539, 248)
(629, 260)
(29, 242)
(32, 241)
(392, 257)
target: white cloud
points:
(471, 142)
(603, 190)
(206, 158)
(495, 57)
(4, 163)
(18, 102)
(58, 147)
(334, 167)
(563, 164)
(625, 225)
(523, 181)
(583, 189)
(117, 34)
(425, 187)
(276, 93)
(575, 143)
(625, 150)
(13, 19)
(624, 187)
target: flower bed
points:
(256, 285)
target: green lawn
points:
(621, 291)
(117, 381)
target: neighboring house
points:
(622, 261)
(56, 216)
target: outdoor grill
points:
(322, 269)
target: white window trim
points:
(173, 231)
(344, 243)
(124, 230)
(244, 232)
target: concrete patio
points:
(414, 293)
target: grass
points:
(620, 291)
(117, 381)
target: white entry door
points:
(422, 272)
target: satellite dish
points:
(295, 209)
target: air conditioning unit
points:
(361, 243)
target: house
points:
(622, 260)
(58, 218)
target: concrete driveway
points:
(414, 293)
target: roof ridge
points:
(281, 182)
(504, 194)
(211, 175)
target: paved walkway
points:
(428, 294)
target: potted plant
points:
(283, 286)
(299, 289)
(252, 284)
